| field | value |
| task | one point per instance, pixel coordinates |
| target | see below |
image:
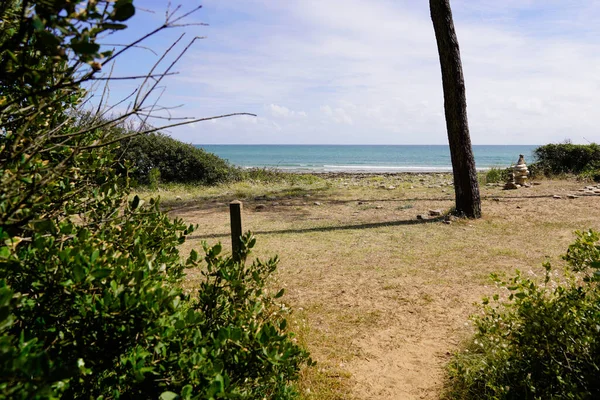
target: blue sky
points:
(367, 72)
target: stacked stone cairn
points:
(521, 172)
(518, 176)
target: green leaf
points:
(4, 252)
(279, 294)
(94, 256)
(85, 47)
(115, 27)
(122, 11)
(186, 391)
(168, 396)
(101, 273)
(78, 272)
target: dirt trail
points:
(386, 299)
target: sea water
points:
(365, 158)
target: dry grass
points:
(381, 299)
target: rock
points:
(590, 187)
(316, 203)
(412, 187)
(275, 204)
(581, 190)
(260, 207)
(362, 202)
(447, 222)
(421, 216)
(391, 187)
(556, 197)
(378, 207)
(572, 196)
(520, 171)
(510, 186)
(519, 207)
(178, 198)
(435, 213)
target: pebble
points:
(316, 203)
(435, 213)
(556, 197)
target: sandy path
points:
(386, 299)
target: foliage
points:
(568, 158)
(91, 304)
(542, 341)
(496, 175)
(177, 162)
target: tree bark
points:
(466, 187)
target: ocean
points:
(364, 158)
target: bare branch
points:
(121, 78)
(124, 45)
(95, 146)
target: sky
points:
(367, 72)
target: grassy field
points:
(380, 297)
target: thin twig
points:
(94, 146)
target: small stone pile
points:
(521, 172)
(518, 176)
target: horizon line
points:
(347, 144)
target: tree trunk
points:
(466, 187)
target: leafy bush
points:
(567, 158)
(176, 161)
(91, 304)
(541, 342)
(496, 175)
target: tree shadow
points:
(329, 228)
(286, 202)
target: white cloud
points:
(281, 111)
(357, 71)
(338, 115)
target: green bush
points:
(567, 158)
(497, 175)
(176, 161)
(542, 341)
(91, 304)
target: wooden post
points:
(235, 213)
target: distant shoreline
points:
(366, 172)
(364, 159)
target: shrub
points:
(567, 158)
(542, 341)
(496, 175)
(91, 304)
(176, 161)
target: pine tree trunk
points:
(466, 187)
